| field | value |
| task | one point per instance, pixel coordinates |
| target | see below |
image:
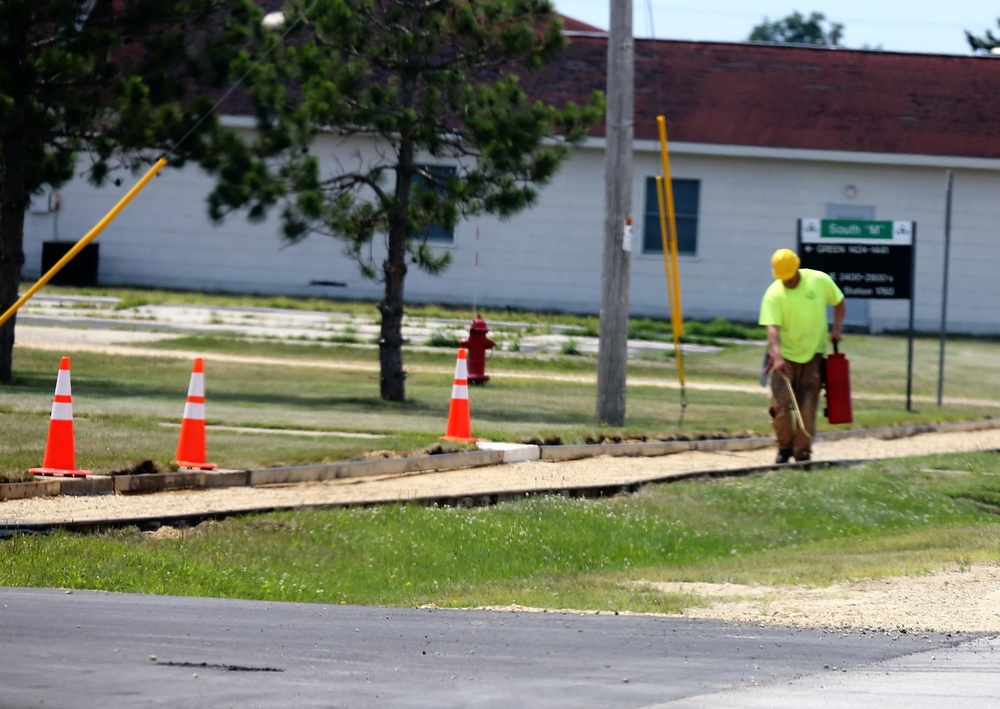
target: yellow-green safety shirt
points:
(800, 312)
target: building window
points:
(686, 197)
(436, 233)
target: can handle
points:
(835, 343)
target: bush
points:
(443, 338)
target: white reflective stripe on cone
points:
(62, 411)
(460, 391)
(62, 383)
(194, 410)
(197, 386)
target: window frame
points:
(435, 235)
(685, 233)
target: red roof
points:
(785, 96)
(572, 25)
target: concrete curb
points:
(389, 466)
(187, 480)
(512, 452)
(888, 433)
(490, 453)
(652, 448)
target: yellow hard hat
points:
(784, 264)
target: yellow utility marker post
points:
(665, 199)
(88, 237)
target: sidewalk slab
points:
(512, 452)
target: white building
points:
(760, 136)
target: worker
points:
(794, 312)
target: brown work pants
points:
(806, 384)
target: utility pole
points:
(612, 359)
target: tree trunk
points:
(394, 269)
(390, 341)
(13, 202)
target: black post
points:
(944, 287)
(913, 293)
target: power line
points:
(236, 84)
(715, 17)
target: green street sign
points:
(848, 231)
(854, 229)
(867, 259)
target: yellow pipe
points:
(661, 192)
(662, 203)
(670, 237)
(676, 312)
(88, 237)
(678, 352)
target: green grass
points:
(701, 332)
(791, 526)
(133, 297)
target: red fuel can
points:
(838, 388)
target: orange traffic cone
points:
(191, 446)
(60, 451)
(459, 419)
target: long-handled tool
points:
(795, 407)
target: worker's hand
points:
(776, 364)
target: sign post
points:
(866, 259)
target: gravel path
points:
(959, 599)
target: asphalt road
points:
(85, 650)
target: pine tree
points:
(796, 29)
(428, 84)
(985, 44)
(95, 85)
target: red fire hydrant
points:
(477, 343)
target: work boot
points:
(784, 455)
